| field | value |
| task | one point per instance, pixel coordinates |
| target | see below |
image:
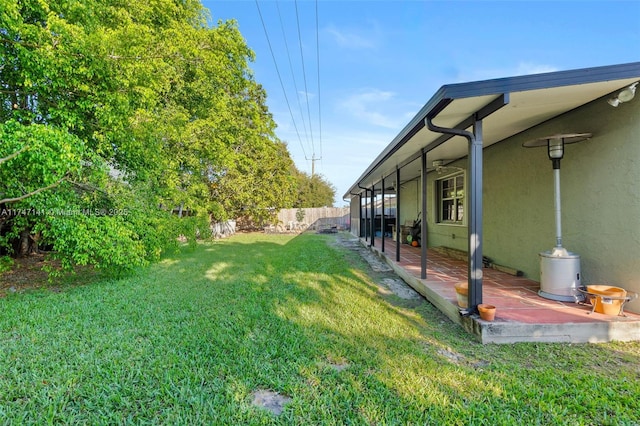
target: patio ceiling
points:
(523, 102)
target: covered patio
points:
(461, 176)
(521, 316)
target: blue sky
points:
(380, 61)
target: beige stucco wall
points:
(603, 195)
(600, 186)
(354, 207)
(410, 201)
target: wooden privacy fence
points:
(316, 218)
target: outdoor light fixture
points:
(625, 95)
(440, 167)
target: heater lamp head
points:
(566, 138)
(555, 148)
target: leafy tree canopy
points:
(313, 191)
(115, 113)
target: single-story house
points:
(478, 170)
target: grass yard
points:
(190, 339)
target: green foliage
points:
(133, 107)
(313, 191)
(82, 247)
(6, 263)
(36, 156)
(300, 214)
(257, 184)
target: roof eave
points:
(495, 86)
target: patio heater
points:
(559, 268)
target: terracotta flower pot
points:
(462, 291)
(487, 312)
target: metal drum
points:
(560, 276)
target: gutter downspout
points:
(398, 233)
(474, 275)
(423, 216)
(373, 215)
(382, 221)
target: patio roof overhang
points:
(507, 106)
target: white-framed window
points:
(450, 193)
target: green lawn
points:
(188, 340)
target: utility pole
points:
(313, 164)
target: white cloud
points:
(371, 106)
(351, 39)
(303, 96)
(526, 68)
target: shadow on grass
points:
(306, 306)
(189, 339)
(284, 310)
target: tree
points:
(36, 158)
(313, 191)
(113, 114)
(73, 83)
(228, 162)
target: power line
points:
(308, 136)
(304, 74)
(318, 63)
(293, 77)
(264, 27)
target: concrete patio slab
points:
(522, 315)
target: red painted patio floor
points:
(516, 298)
